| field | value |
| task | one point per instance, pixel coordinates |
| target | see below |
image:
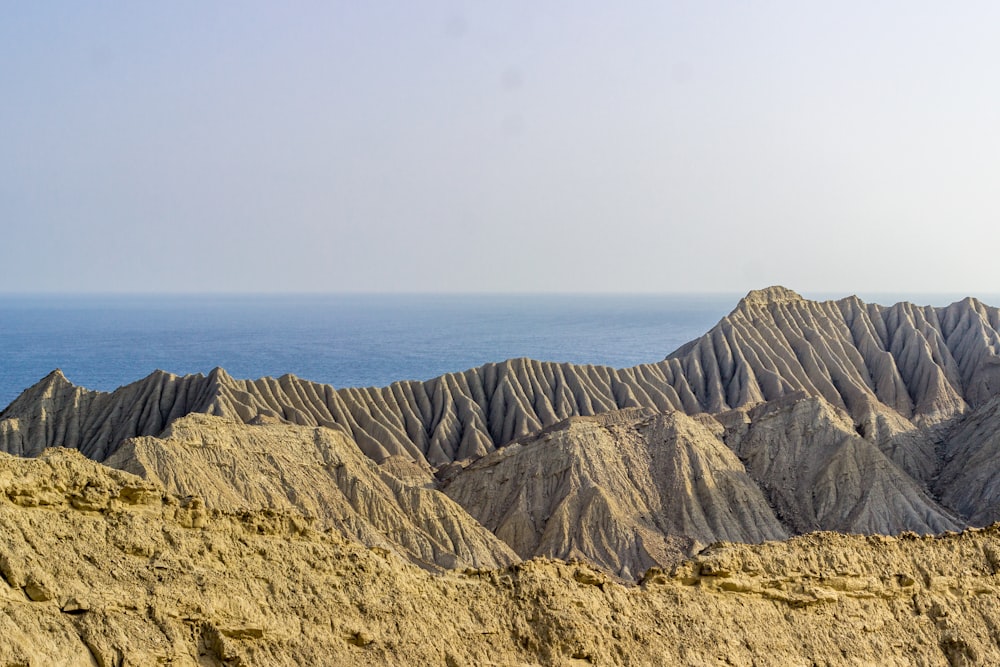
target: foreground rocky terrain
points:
(101, 567)
(527, 512)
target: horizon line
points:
(719, 292)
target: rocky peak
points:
(776, 294)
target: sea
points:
(347, 340)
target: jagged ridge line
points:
(459, 415)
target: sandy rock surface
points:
(135, 576)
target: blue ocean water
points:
(102, 342)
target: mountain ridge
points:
(527, 512)
(928, 364)
(844, 415)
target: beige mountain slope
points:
(925, 365)
(316, 471)
(625, 490)
(99, 567)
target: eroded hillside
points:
(101, 567)
(926, 365)
(787, 417)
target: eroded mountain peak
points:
(776, 294)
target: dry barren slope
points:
(317, 472)
(634, 488)
(625, 490)
(970, 477)
(820, 474)
(55, 412)
(98, 566)
(924, 364)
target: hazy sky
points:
(499, 146)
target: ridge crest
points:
(775, 294)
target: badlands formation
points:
(766, 495)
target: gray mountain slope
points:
(625, 490)
(634, 488)
(819, 474)
(56, 413)
(925, 364)
(970, 479)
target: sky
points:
(512, 146)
